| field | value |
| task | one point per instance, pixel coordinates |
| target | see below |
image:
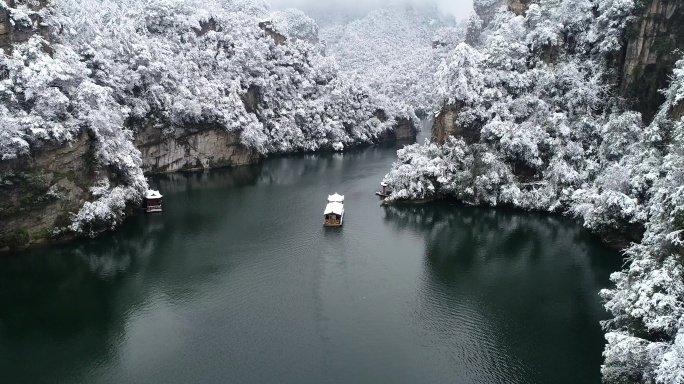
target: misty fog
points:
(459, 8)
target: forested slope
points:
(532, 117)
(396, 50)
(191, 84)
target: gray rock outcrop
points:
(191, 149)
(652, 43)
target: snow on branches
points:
(647, 301)
(552, 136)
(117, 67)
(395, 50)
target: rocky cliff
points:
(487, 9)
(192, 148)
(655, 40)
(39, 190)
(446, 125)
(18, 27)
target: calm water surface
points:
(238, 282)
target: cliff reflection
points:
(458, 237)
(172, 183)
(237, 273)
(73, 296)
(280, 170)
(523, 277)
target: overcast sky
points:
(459, 8)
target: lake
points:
(237, 281)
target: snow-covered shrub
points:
(606, 210)
(117, 67)
(295, 24)
(106, 212)
(421, 169)
(538, 122)
(394, 50)
(552, 136)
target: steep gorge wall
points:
(191, 149)
(652, 41)
(19, 31)
(39, 190)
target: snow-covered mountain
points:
(533, 117)
(537, 107)
(395, 50)
(148, 86)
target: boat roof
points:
(336, 198)
(336, 208)
(152, 194)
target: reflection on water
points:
(237, 281)
(521, 276)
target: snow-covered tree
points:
(394, 50)
(552, 136)
(648, 300)
(118, 67)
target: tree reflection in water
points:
(522, 277)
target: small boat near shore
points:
(334, 211)
(153, 201)
(385, 191)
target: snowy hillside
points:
(395, 50)
(117, 67)
(531, 122)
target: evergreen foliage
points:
(554, 137)
(121, 66)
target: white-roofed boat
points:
(385, 191)
(334, 211)
(153, 201)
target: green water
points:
(238, 282)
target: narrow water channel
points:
(238, 282)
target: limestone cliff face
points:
(519, 7)
(650, 54)
(655, 40)
(18, 31)
(487, 9)
(267, 27)
(39, 190)
(403, 129)
(191, 148)
(445, 125)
